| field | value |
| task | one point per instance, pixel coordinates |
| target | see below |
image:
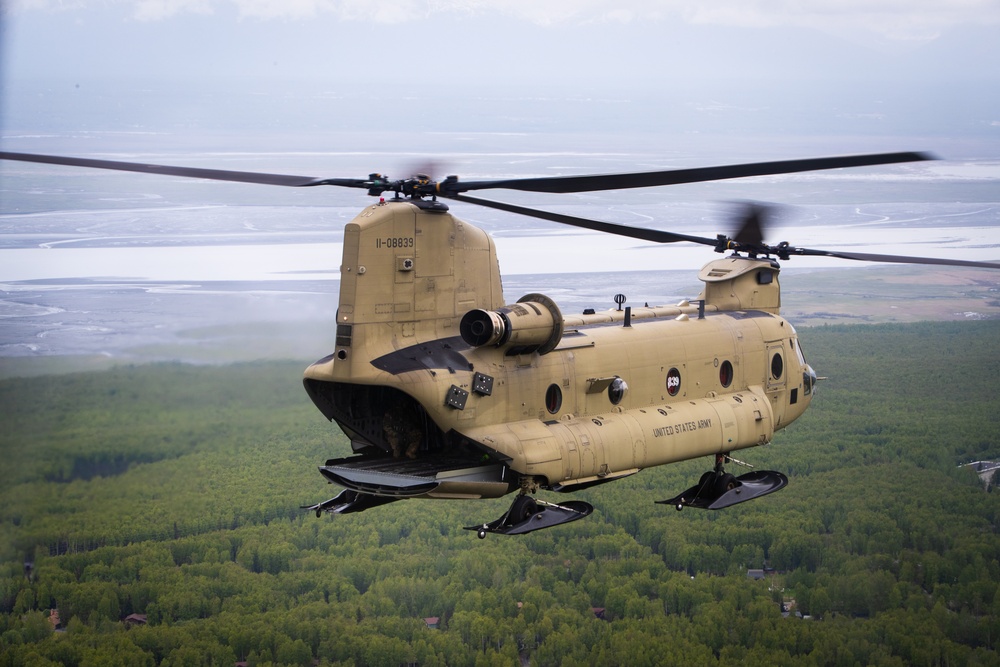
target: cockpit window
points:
(798, 352)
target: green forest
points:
(172, 491)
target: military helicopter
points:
(447, 392)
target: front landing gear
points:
(527, 514)
(717, 488)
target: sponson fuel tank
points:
(583, 451)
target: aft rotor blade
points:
(752, 223)
(892, 259)
(654, 235)
(190, 172)
(648, 179)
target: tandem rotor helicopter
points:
(446, 391)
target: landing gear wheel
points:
(524, 508)
(718, 489)
(726, 482)
(526, 515)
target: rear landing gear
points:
(527, 514)
(717, 488)
(348, 502)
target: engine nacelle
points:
(533, 324)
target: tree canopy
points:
(172, 492)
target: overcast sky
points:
(930, 66)
(439, 42)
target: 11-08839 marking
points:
(394, 242)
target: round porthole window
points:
(617, 391)
(553, 398)
(726, 373)
(673, 381)
(777, 366)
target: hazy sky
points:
(444, 42)
(918, 68)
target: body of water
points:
(101, 262)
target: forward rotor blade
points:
(648, 179)
(891, 259)
(654, 235)
(190, 172)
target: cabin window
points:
(553, 399)
(673, 381)
(777, 366)
(617, 391)
(726, 373)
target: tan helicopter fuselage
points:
(563, 401)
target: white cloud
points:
(156, 10)
(892, 19)
(286, 9)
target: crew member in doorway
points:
(402, 432)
